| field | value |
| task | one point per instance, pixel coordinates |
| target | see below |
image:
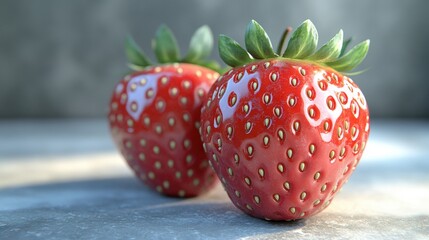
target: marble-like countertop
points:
(65, 180)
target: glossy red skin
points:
(263, 187)
(145, 144)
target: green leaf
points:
(352, 58)
(303, 41)
(346, 43)
(135, 67)
(330, 51)
(212, 64)
(201, 45)
(257, 41)
(165, 45)
(355, 73)
(134, 54)
(232, 53)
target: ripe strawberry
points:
(155, 115)
(284, 132)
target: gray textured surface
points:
(61, 58)
(81, 189)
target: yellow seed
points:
(302, 167)
(326, 126)
(286, 185)
(316, 175)
(267, 64)
(250, 150)
(277, 111)
(312, 148)
(230, 172)
(332, 154)
(276, 197)
(266, 99)
(266, 122)
(254, 85)
(280, 167)
(261, 172)
(172, 144)
(171, 122)
(229, 131)
(189, 158)
(257, 199)
(166, 184)
(247, 180)
(340, 132)
(186, 84)
(237, 193)
(303, 195)
(311, 112)
(266, 140)
(342, 152)
(280, 133)
(196, 182)
(315, 203)
(330, 104)
(246, 108)
(143, 81)
(218, 118)
(356, 148)
(247, 126)
(181, 193)
(233, 100)
(289, 153)
(274, 77)
(158, 129)
(236, 158)
(173, 92)
(296, 125)
(346, 125)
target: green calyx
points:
(167, 51)
(302, 45)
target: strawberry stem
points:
(283, 39)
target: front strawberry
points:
(155, 114)
(285, 131)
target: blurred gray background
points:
(61, 58)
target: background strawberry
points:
(155, 114)
(284, 131)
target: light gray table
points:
(65, 180)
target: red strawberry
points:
(155, 115)
(285, 132)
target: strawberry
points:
(284, 131)
(155, 114)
